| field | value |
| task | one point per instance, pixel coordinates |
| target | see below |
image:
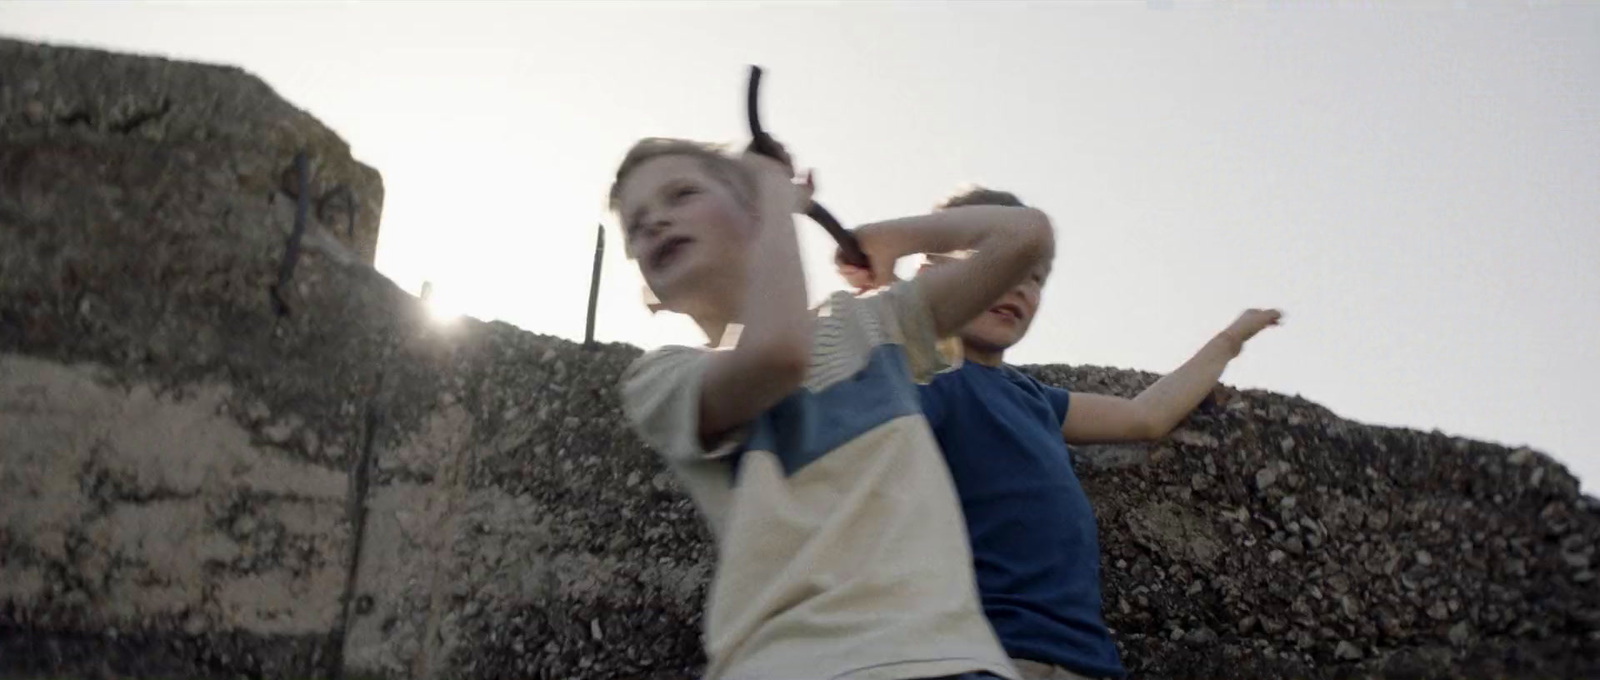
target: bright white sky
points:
(1418, 189)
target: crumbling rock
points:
(195, 485)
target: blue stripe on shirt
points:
(806, 425)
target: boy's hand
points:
(1251, 322)
(881, 249)
(763, 167)
(806, 186)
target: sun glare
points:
(442, 310)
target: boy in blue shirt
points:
(1034, 540)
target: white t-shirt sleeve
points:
(902, 310)
(661, 399)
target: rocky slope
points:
(199, 482)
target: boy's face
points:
(687, 230)
(1005, 323)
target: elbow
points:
(1151, 428)
(1037, 232)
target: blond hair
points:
(714, 158)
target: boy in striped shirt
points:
(841, 550)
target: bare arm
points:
(1098, 418)
(774, 346)
(1010, 242)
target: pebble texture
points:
(198, 484)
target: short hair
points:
(977, 195)
(971, 195)
(714, 158)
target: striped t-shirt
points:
(842, 552)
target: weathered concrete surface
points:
(176, 456)
(113, 108)
(192, 485)
(125, 505)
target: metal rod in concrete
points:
(594, 284)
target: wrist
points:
(1229, 343)
(890, 239)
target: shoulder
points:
(903, 300)
(665, 355)
(661, 368)
(661, 401)
(890, 302)
(1016, 374)
(957, 376)
(1059, 397)
(900, 313)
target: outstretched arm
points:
(1098, 418)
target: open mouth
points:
(1008, 310)
(668, 251)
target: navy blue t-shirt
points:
(1034, 541)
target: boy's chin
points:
(668, 289)
(991, 340)
(681, 299)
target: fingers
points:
(770, 148)
(861, 278)
(775, 176)
(877, 277)
(764, 163)
(774, 151)
(780, 153)
(882, 271)
(805, 187)
(1256, 320)
(1251, 322)
(857, 277)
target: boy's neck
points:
(711, 315)
(721, 329)
(716, 331)
(990, 359)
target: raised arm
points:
(1098, 418)
(770, 358)
(1010, 242)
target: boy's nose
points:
(656, 223)
(1020, 296)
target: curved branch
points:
(763, 143)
